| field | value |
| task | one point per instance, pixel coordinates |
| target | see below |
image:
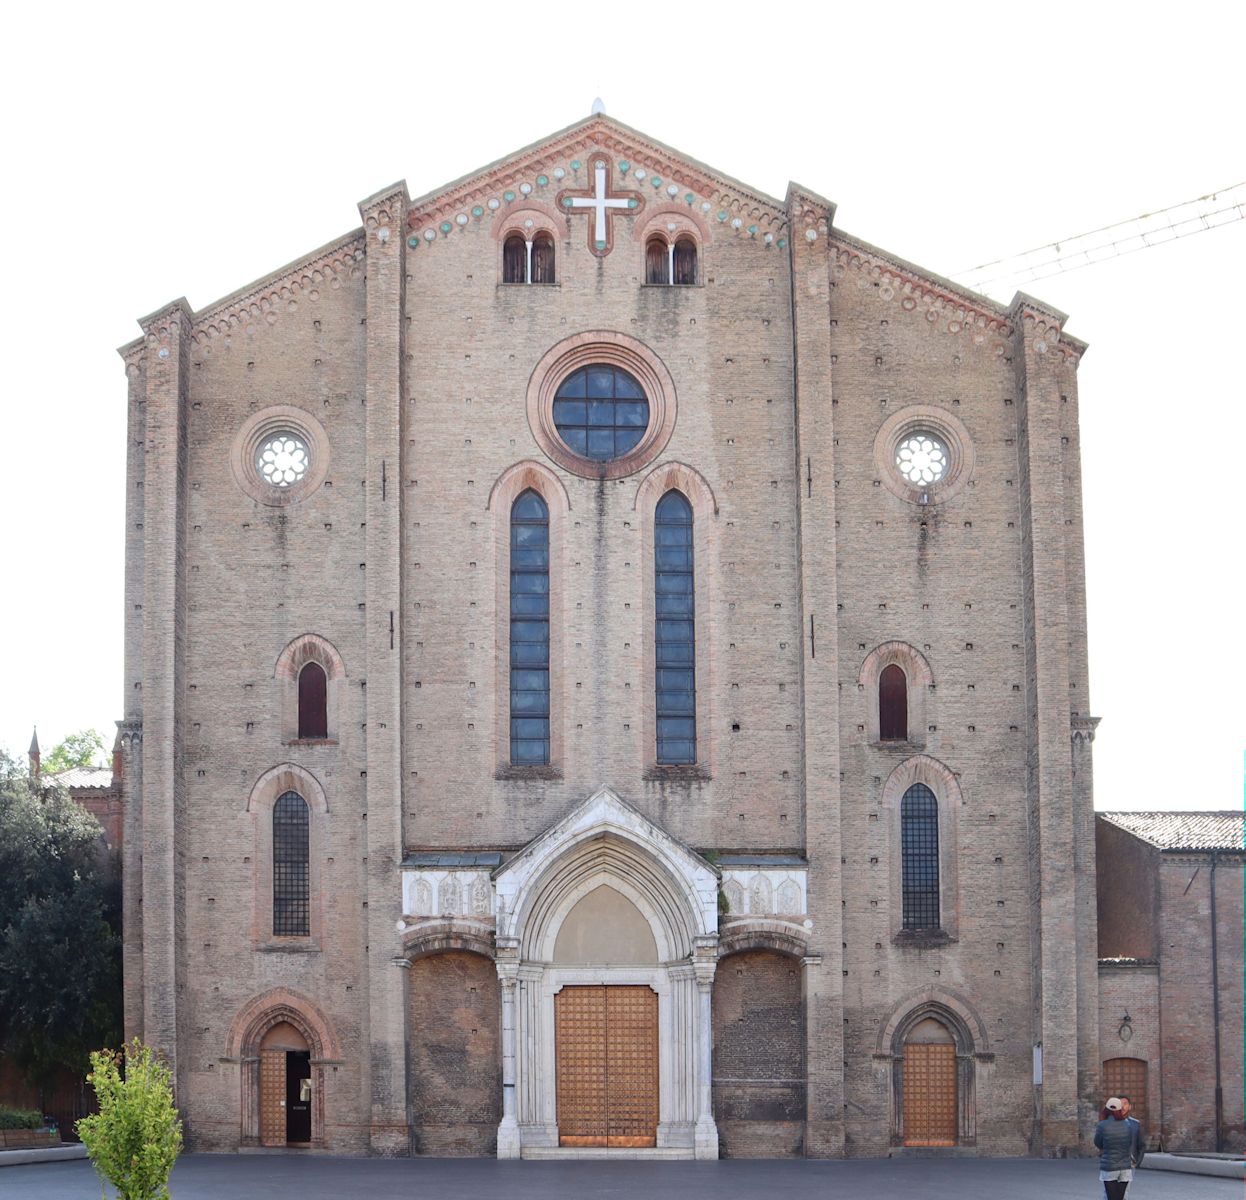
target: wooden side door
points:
(1127, 1077)
(272, 1097)
(929, 1094)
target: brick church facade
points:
(606, 673)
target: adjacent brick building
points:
(1171, 969)
(606, 670)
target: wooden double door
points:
(606, 1044)
(285, 1097)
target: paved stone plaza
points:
(258, 1177)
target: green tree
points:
(60, 923)
(86, 748)
(134, 1139)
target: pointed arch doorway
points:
(606, 945)
(285, 1087)
(606, 1034)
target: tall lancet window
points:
(674, 631)
(313, 702)
(893, 704)
(919, 850)
(529, 631)
(291, 872)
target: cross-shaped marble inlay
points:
(599, 203)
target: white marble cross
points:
(601, 204)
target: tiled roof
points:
(1225, 830)
(83, 777)
(453, 858)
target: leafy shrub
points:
(20, 1118)
(135, 1138)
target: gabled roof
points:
(1223, 830)
(626, 146)
(82, 777)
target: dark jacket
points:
(1119, 1143)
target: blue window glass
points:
(919, 851)
(601, 412)
(674, 633)
(529, 666)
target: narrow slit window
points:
(674, 631)
(529, 631)
(291, 871)
(657, 261)
(514, 260)
(543, 258)
(685, 261)
(919, 850)
(313, 702)
(893, 704)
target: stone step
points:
(587, 1153)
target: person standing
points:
(1119, 1141)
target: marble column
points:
(705, 1136)
(508, 1130)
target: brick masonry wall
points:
(946, 579)
(417, 365)
(455, 1055)
(1127, 892)
(759, 1059)
(1186, 1000)
(728, 348)
(1133, 990)
(257, 578)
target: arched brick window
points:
(543, 258)
(685, 261)
(529, 631)
(291, 867)
(893, 704)
(919, 849)
(312, 679)
(514, 260)
(657, 261)
(313, 701)
(674, 631)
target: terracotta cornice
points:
(604, 134)
(267, 297)
(954, 309)
(1046, 322)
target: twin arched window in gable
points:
(291, 867)
(528, 261)
(673, 262)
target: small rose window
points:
(283, 460)
(922, 459)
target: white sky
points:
(153, 151)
